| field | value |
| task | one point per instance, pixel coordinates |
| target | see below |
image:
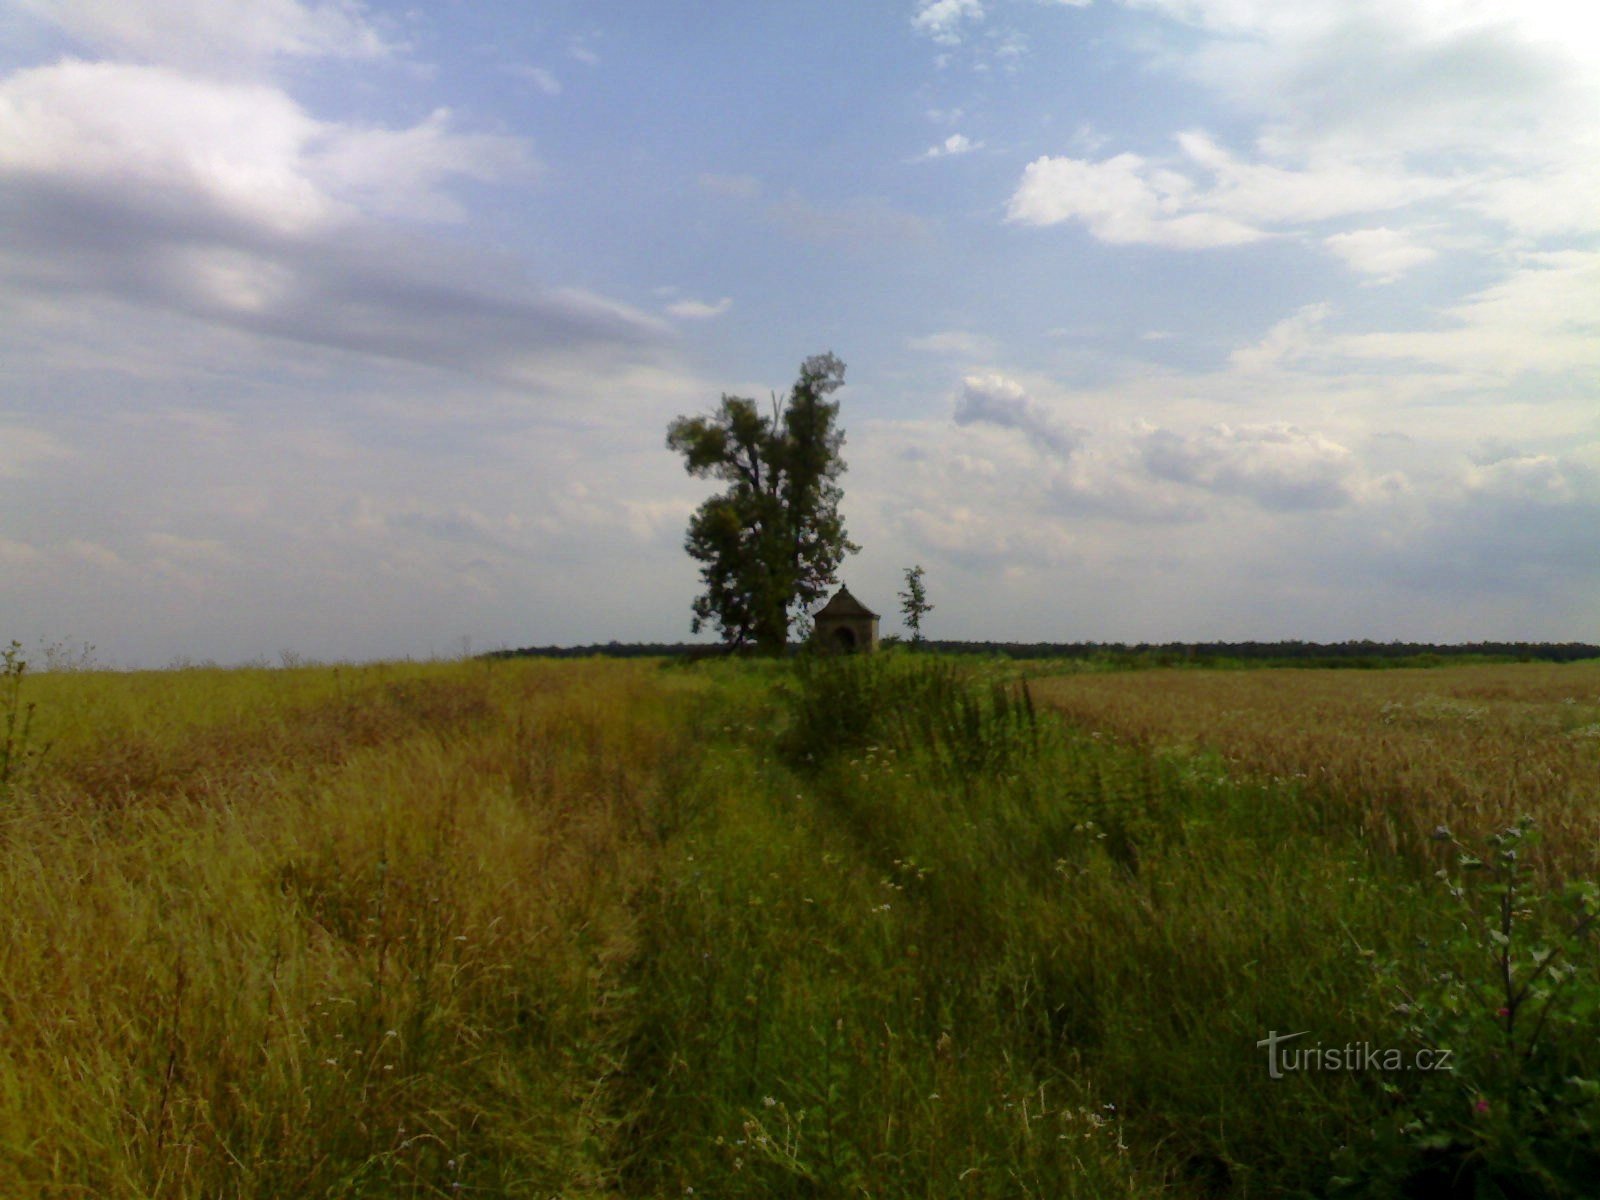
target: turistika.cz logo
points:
(1351, 1056)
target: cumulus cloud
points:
(996, 400)
(1122, 200)
(1534, 480)
(1279, 467)
(955, 144)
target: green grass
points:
(872, 927)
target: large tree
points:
(770, 543)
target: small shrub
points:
(1512, 992)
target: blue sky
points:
(355, 329)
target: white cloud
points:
(1543, 317)
(211, 35)
(699, 310)
(1129, 199)
(1280, 467)
(997, 400)
(1122, 200)
(955, 144)
(1501, 96)
(1555, 200)
(230, 203)
(399, 172)
(1384, 253)
(1289, 341)
(1325, 186)
(943, 20)
(152, 138)
(1534, 479)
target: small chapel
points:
(845, 625)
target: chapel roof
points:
(843, 604)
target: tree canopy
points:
(770, 543)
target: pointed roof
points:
(844, 604)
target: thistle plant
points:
(1511, 994)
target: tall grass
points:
(878, 927)
(346, 937)
(937, 946)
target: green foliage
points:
(914, 603)
(966, 725)
(771, 542)
(1512, 993)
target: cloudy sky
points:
(354, 329)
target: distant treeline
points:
(1356, 654)
(1364, 653)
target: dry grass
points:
(353, 935)
(1402, 750)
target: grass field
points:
(892, 927)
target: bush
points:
(1512, 993)
(913, 705)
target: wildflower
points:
(1502, 1013)
(1482, 1106)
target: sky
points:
(353, 330)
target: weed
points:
(17, 755)
(1511, 993)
